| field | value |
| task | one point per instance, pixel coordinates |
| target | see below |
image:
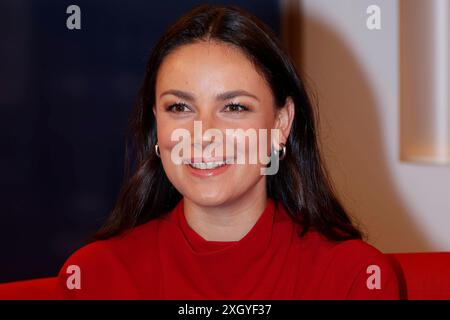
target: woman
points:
(209, 226)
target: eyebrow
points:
(221, 96)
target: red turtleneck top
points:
(166, 259)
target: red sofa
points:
(36, 289)
(421, 276)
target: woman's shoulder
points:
(354, 266)
(115, 261)
(127, 243)
(316, 241)
(350, 253)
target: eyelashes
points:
(177, 107)
(231, 107)
(236, 106)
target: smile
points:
(208, 165)
(208, 168)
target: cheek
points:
(166, 128)
(263, 127)
(259, 144)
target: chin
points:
(208, 198)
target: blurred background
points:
(66, 95)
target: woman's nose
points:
(207, 130)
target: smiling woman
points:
(212, 228)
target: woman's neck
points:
(230, 221)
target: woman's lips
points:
(203, 173)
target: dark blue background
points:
(65, 98)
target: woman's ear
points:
(284, 118)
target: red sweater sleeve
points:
(370, 274)
(95, 272)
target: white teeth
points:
(207, 165)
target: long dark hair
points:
(302, 183)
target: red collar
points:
(259, 234)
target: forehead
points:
(209, 64)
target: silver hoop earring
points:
(281, 152)
(157, 150)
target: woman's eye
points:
(178, 108)
(236, 107)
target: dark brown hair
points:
(302, 184)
